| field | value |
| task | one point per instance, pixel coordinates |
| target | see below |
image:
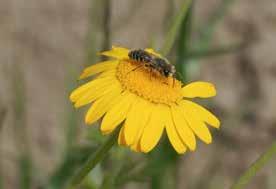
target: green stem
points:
(94, 159)
(218, 51)
(173, 32)
(3, 113)
(206, 32)
(184, 44)
(106, 23)
(255, 167)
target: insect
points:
(161, 65)
(140, 56)
(164, 67)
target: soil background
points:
(43, 42)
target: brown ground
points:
(47, 39)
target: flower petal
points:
(121, 137)
(136, 120)
(101, 106)
(202, 113)
(198, 89)
(154, 129)
(97, 92)
(116, 52)
(106, 74)
(98, 68)
(80, 91)
(182, 128)
(136, 146)
(117, 113)
(151, 51)
(198, 126)
(173, 136)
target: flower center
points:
(148, 83)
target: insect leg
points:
(151, 73)
(173, 81)
(135, 68)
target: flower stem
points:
(174, 31)
(94, 159)
(255, 167)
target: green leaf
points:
(217, 51)
(25, 169)
(255, 167)
(174, 30)
(183, 45)
(206, 32)
(94, 159)
(74, 159)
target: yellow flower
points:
(146, 104)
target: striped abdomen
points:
(140, 56)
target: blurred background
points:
(45, 44)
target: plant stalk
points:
(94, 159)
(174, 31)
(255, 167)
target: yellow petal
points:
(97, 92)
(151, 51)
(173, 136)
(101, 106)
(117, 113)
(98, 68)
(116, 52)
(154, 129)
(80, 91)
(136, 120)
(121, 138)
(202, 113)
(136, 146)
(184, 131)
(199, 89)
(198, 126)
(106, 74)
